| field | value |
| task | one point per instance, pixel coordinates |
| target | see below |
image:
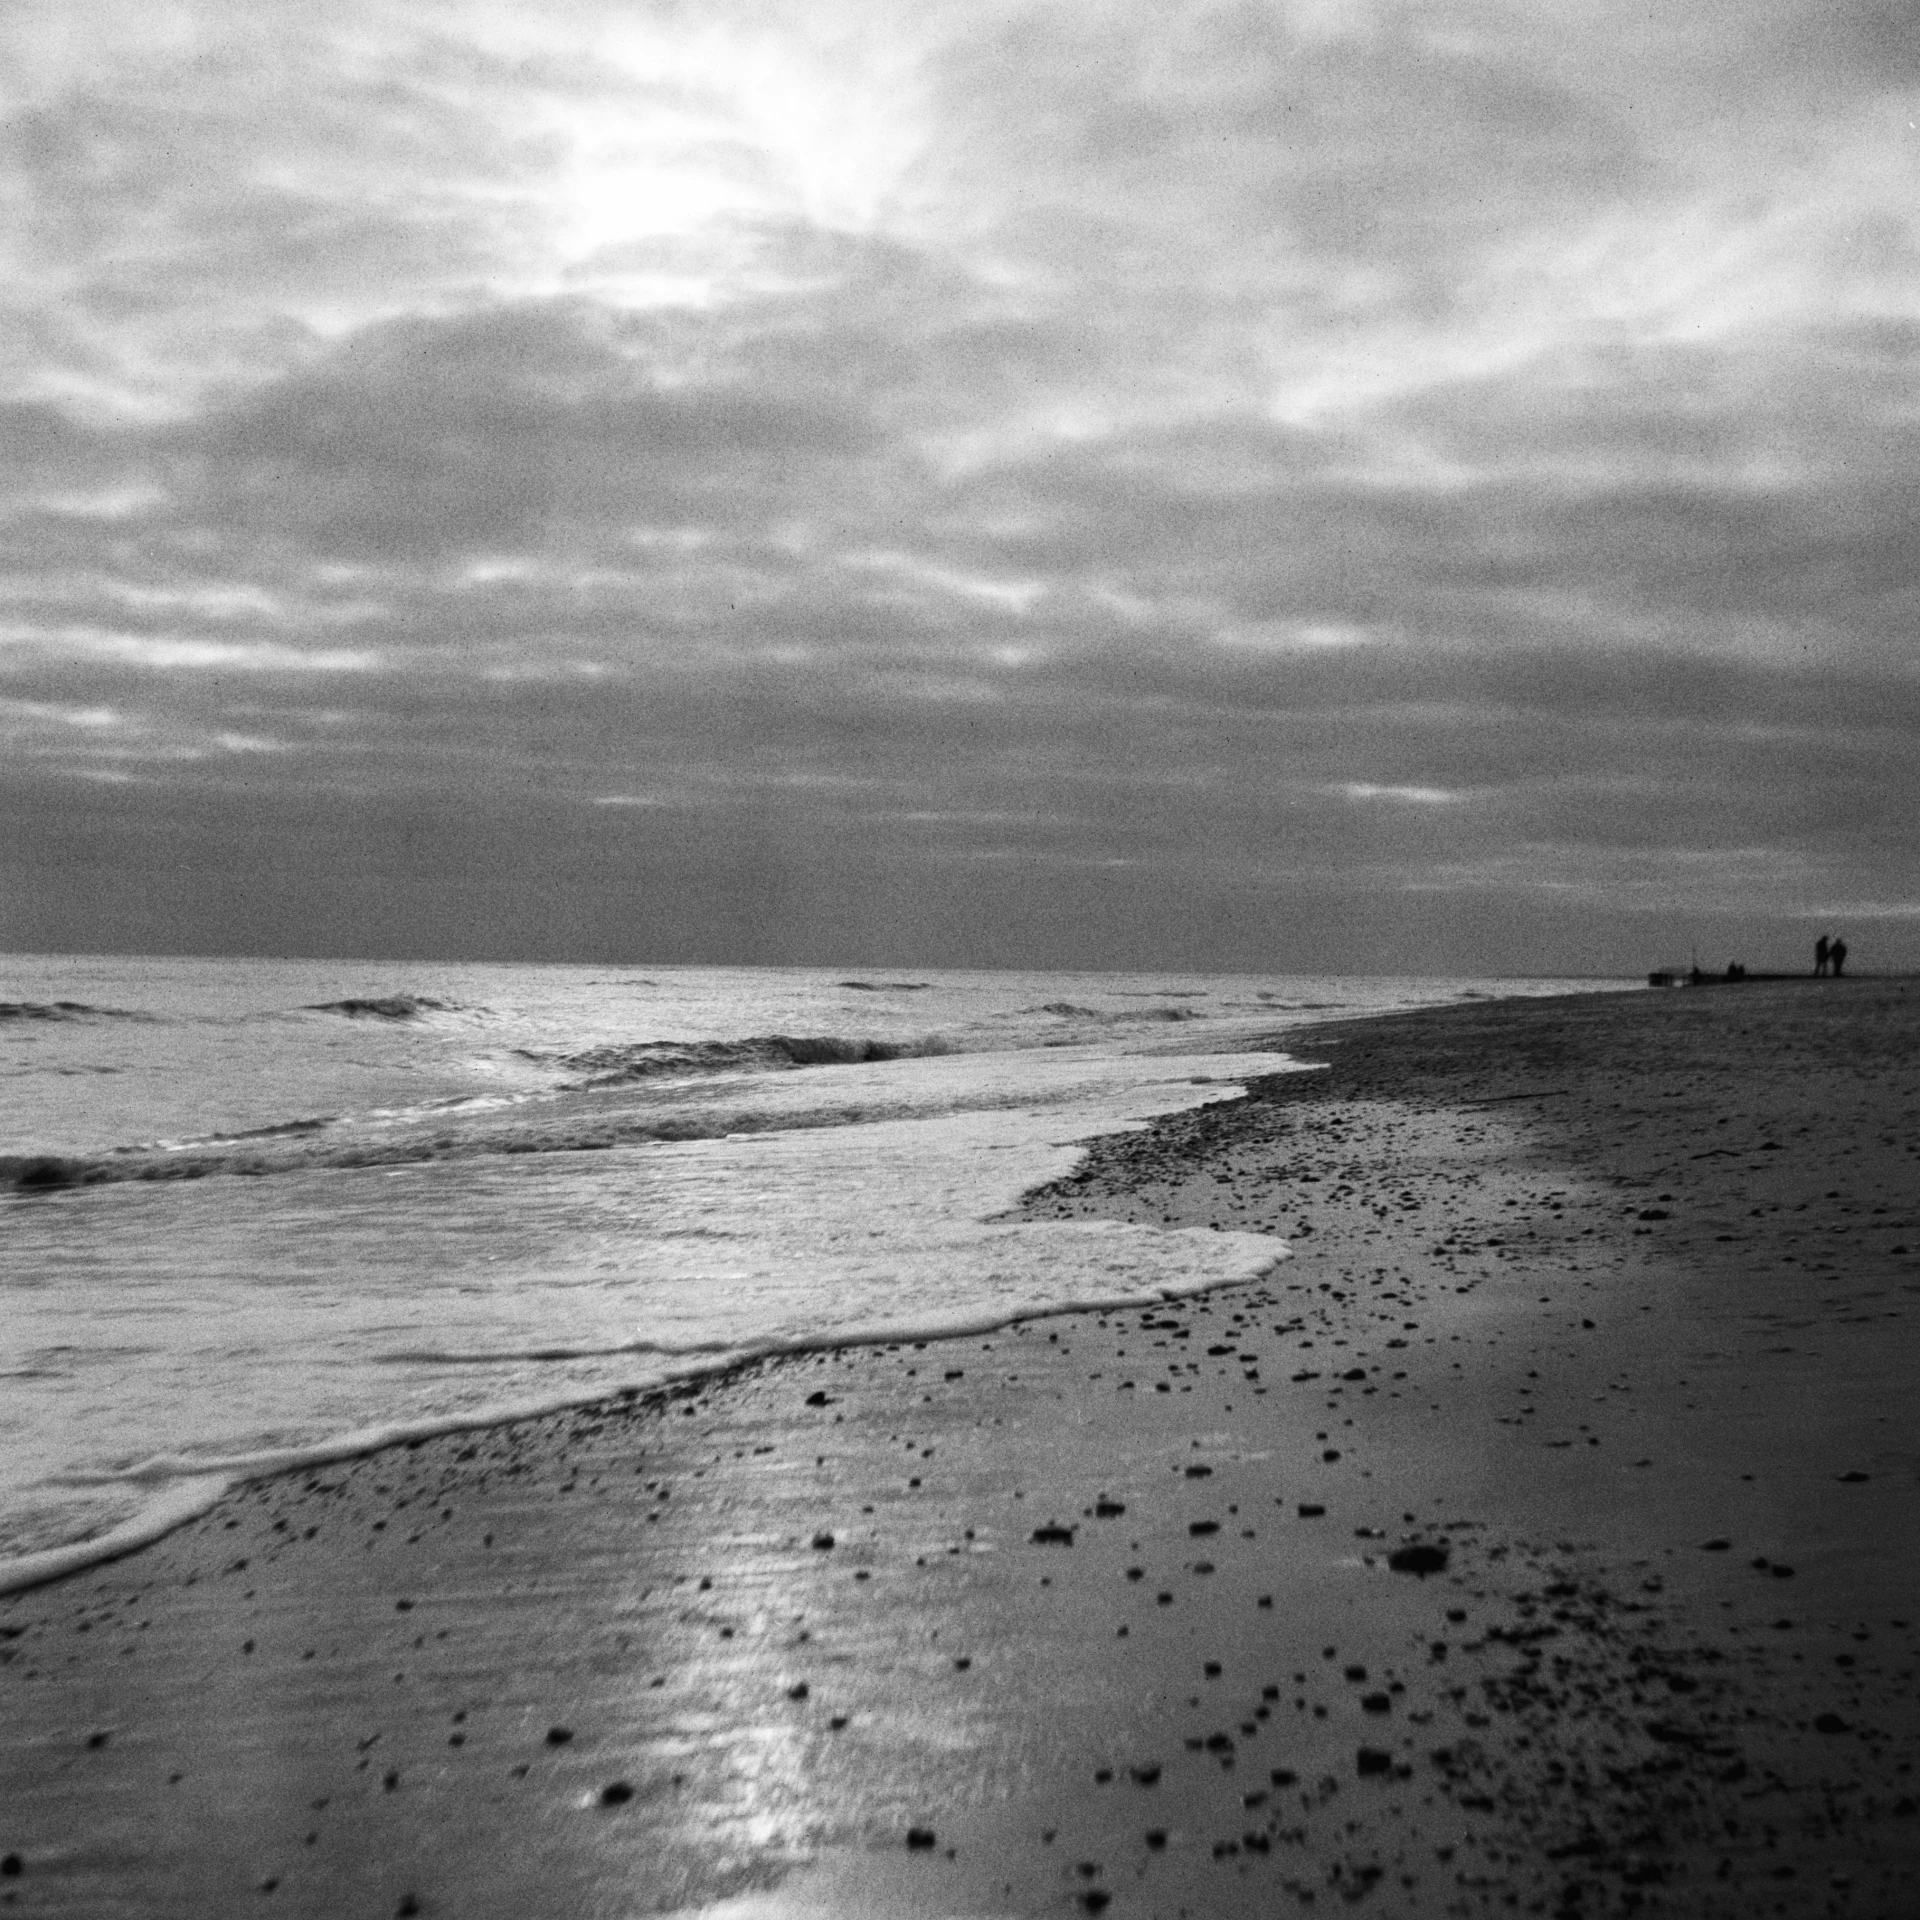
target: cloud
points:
(1402, 796)
(1339, 454)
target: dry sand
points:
(1606, 1308)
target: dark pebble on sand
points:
(1053, 1535)
(919, 1839)
(12, 1867)
(1108, 1509)
(1420, 1559)
(1831, 1723)
(1373, 1760)
(1096, 1900)
(1853, 1479)
(822, 1542)
(559, 1736)
(798, 1691)
(1144, 1776)
(819, 1400)
(1309, 1510)
(1715, 1546)
(616, 1794)
(1156, 1839)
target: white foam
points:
(274, 1324)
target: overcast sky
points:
(1298, 485)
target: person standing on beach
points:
(1820, 951)
(1837, 954)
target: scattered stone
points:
(1371, 1761)
(616, 1793)
(920, 1839)
(559, 1736)
(1420, 1559)
(1053, 1535)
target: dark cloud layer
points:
(1250, 485)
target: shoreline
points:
(1498, 1307)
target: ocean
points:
(259, 1213)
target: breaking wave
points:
(1072, 1010)
(63, 1010)
(397, 1006)
(653, 1059)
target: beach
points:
(1540, 1535)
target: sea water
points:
(254, 1213)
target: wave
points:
(300, 1147)
(1072, 1010)
(887, 986)
(652, 1059)
(397, 1006)
(63, 1010)
(186, 1486)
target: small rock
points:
(616, 1793)
(920, 1839)
(1373, 1760)
(559, 1736)
(1420, 1559)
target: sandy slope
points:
(1100, 1614)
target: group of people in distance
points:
(1829, 957)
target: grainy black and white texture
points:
(1540, 1537)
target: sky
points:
(1312, 485)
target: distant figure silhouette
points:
(1820, 955)
(1837, 953)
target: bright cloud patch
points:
(1406, 796)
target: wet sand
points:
(1541, 1537)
